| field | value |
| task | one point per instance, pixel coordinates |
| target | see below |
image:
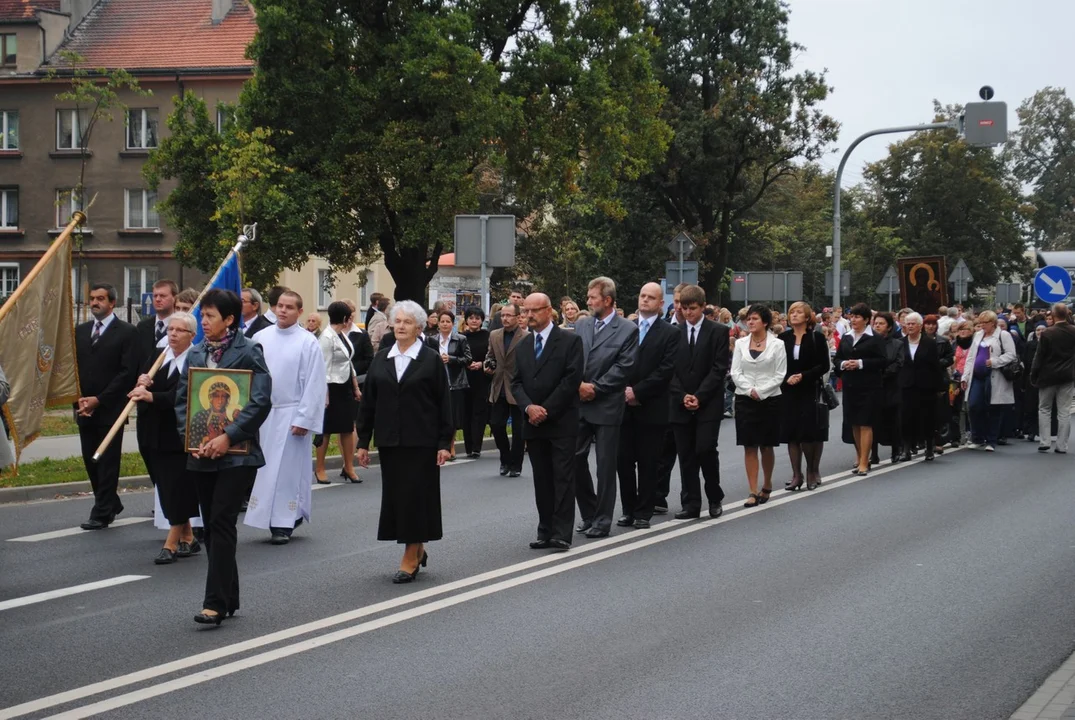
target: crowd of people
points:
(644, 390)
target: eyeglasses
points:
(179, 330)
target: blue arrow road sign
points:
(1052, 284)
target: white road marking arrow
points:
(1056, 286)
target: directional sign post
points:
(889, 285)
(1009, 293)
(684, 247)
(961, 278)
(676, 272)
(1052, 284)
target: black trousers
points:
(475, 413)
(637, 451)
(103, 474)
(666, 460)
(596, 508)
(220, 495)
(918, 416)
(553, 463)
(696, 445)
(511, 453)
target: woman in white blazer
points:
(989, 394)
(759, 364)
(343, 394)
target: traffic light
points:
(985, 124)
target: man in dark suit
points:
(645, 420)
(548, 370)
(610, 349)
(500, 364)
(253, 320)
(667, 458)
(697, 403)
(108, 357)
(153, 329)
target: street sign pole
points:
(485, 255)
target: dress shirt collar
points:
(545, 334)
(411, 352)
(178, 362)
(105, 322)
(696, 326)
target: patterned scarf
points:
(215, 348)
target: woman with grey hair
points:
(406, 406)
(919, 382)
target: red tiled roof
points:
(25, 9)
(162, 34)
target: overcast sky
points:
(888, 59)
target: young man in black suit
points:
(548, 370)
(646, 419)
(108, 359)
(153, 329)
(697, 403)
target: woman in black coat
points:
(946, 355)
(476, 396)
(407, 407)
(859, 361)
(919, 381)
(802, 426)
(159, 441)
(887, 429)
(454, 351)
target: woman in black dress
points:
(158, 434)
(476, 396)
(454, 351)
(887, 429)
(408, 407)
(859, 360)
(803, 426)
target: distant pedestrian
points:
(804, 425)
(859, 362)
(1053, 373)
(989, 392)
(499, 366)
(476, 396)
(454, 351)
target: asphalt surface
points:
(937, 590)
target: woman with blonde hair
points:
(989, 393)
(804, 427)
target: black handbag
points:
(828, 396)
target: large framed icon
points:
(216, 397)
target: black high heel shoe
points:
(203, 619)
(794, 484)
(355, 480)
(401, 577)
(763, 495)
(814, 481)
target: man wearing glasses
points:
(500, 365)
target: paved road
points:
(936, 590)
(64, 446)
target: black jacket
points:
(147, 340)
(107, 370)
(923, 371)
(650, 377)
(412, 412)
(700, 372)
(157, 426)
(551, 382)
(871, 351)
(458, 358)
(260, 323)
(813, 360)
(1054, 362)
(362, 357)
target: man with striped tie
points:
(108, 357)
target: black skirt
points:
(861, 406)
(341, 410)
(757, 422)
(178, 491)
(800, 421)
(458, 409)
(410, 495)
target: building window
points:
(8, 50)
(67, 201)
(70, 127)
(325, 285)
(225, 116)
(9, 207)
(142, 129)
(141, 210)
(9, 278)
(9, 130)
(139, 280)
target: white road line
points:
(73, 590)
(76, 531)
(644, 538)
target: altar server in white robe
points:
(281, 497)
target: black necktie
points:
(692, 337)
(159, 332)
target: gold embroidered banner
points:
(37, 342)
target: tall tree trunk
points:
(411, 268)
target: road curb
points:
(63, 491)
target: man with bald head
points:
(548, 370)
(645, 421)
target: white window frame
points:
(143, 119)
(146, 205)
(224, 112)
(324, 292)
(4, 292)
(144, 281)
(76, 128)
(5, 198)
(66, 200)
(5, 121)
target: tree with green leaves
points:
(742, 117)
(1042, 155)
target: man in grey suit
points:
(610, 349)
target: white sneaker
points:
(990, 448)
(973, 446)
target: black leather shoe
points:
(625, 521)
(165, 557)
(687, 514)
(716, 510)
(182, 550)
(503, 470)
(583, 527)
(660, 509)
(199, 534)
(401, 578)
(203, 619)
(514, 473)
(595, 532)
(641, 524)
(94, 524)
(195, 547)
(560, 545)
(540, 545)
(279, 537)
